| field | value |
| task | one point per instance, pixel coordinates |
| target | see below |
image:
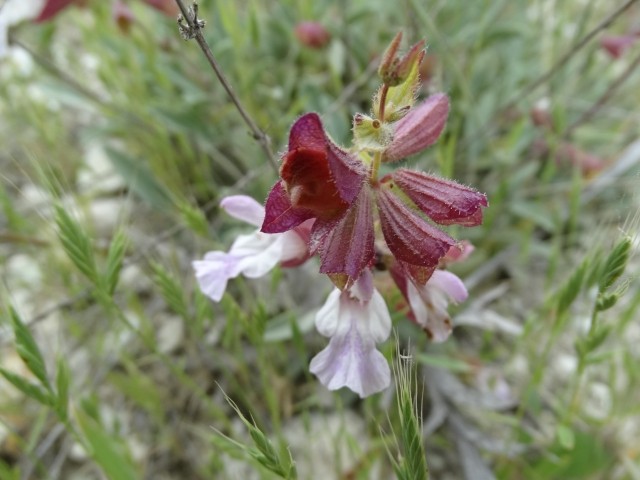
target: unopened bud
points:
(122, 15)
(389, 58)
(419, 128)
(312, 34)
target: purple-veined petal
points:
(351, 359)
(347, 170)
(243, 208)
(307, 132)
(258, 252)
(280, 214)
(349, 246)
(429, 303)
(410, 238)
(419, 128)
(444, 201)
(450, 284)
(214, 271)
(348, 362)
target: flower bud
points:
(312, 34)
(615, 45)
(51, 8)
(389, 58)
(419, 128)
(122, 15)
(168, 7)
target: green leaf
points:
(171, 290)
(115, 257)
(401, 98)
(76, 243)
(572, 287)
(140, 180)
(194, 218)
(107, 452)
(62, 389)
(264, 453)
(615, 264)
(439, 361)
(28, 350)
(566, 438)
(606, 300)
(29, 389)
(7, 472)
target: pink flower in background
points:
(312, 34)
(616, 45)
(356, 320)
(52, 8)
(122, 15)
(252, 255)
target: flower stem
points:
(377, 157)
(375, 167)
(383, 101)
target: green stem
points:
(375, 167)
(383, 101)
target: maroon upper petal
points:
(317, 175)
(307, 132)
(444, 201)
(410, 238)
(51, 8)
(280, 214)
(349, 247)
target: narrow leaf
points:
(28, 349)
(62, 388)
(107, 452)
(76, 243)
(29, 389)
(115, 257)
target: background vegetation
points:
(117, 145)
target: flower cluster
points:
(330, 202)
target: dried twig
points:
(604, 98)
(560, 63)
(193, 30)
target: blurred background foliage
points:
(118, 142)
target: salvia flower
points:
(252, 255)
(319, 180)
(428, 303)
(616, 45)
(356, 320)
(330, 202)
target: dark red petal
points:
(410, 238)
(349, 247)
(52, 8)
(444, 201)
(347, 170)
(319, 232)
(280, 215)
(307, 132)
(310, 184)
